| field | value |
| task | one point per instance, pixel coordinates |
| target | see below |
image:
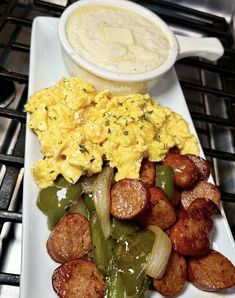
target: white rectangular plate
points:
(46, 68)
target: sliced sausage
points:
(185, 171)
(174, 277)
(180, 213)
(211, 272)
(202, 165)
(190, 235)
(148, 172)
(129, 198)
(203, 206)
(202, 189)
(70, 239)
(174, 149)
(78, 278)
(161, 213)
(176, 198)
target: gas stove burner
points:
(7, 92)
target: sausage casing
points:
(129, 198)
(185, 171)
(174, 277)
(161, 213)
(211, 272)
(78, 278)
(190, 235)
(202, 165)
(148, 172)
(201, 189)
(70, 239)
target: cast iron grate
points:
(173, 14)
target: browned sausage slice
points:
(161, 213)
(176, 198)
(70, 238)
(148, 172)
(78, 278)
(190, 235)
(211, 272)
(174, 150)
(174, 277)
(203, 206)
(180, 213)
(202, 165)
(185, 171)
(202, 189)
(129, 198)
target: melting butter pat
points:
(121, 35)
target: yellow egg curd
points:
(78, 128)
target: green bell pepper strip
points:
(127, 277)
(54, 200)
(115, 286)
(120, 228)
(101, 247)
(165, 180)
(88, 201)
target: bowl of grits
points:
(123, 47)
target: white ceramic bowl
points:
(180, 47)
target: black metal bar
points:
(184, 21)
(227, 197)
(184, 9)
(10, 216)
(11, 160)
(8, 185)
(20, 78)
(207, 90)
(20, 47)
(9, 279)
(9, 8)
(219, 154)
(19, 21)
(208, 66)
(213, 119)
(51, 6)
(12, 114)
(229, 52)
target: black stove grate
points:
(18, 15)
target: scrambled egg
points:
(78, 127)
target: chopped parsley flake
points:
(107, 122)
(145, 117)
(125, 132)
(158, 138)
(83, 149)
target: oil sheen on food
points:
(79, 127)
(116, 39)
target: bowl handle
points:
(206, 47)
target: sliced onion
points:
(159, 256)
(101, 197)
(78, 207)
(88, 183)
